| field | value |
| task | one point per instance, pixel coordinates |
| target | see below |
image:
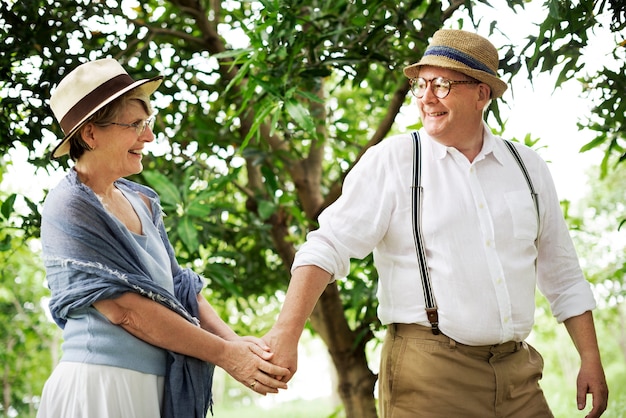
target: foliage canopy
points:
(265, 107)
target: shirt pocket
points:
(523, 214)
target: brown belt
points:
(425, 333)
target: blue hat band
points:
(456, 55)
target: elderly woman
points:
(139, 338)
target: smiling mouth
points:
(136, 151)
(437, 113)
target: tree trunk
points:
(356, 380)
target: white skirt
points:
(79, 390)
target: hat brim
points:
(498, 87)
(148, 86)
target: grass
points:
(319, 408)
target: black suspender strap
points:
(416, 205)
(417, 194)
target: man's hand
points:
(285, 351)
(306, 285)
(591, 380)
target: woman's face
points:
(117, 150)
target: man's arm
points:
(306, 286)
(591, 377)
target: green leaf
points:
(597, 141)
(188, 233)
(7, 206)
(300, 115)
(310, 96)
(167, 190)
(259, 118)
(234, 53)
(198, 208)
(5, 244)
(266, 209)
(270, 179)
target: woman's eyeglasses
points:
(140, 127)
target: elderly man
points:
(463, 226)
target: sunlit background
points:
(535, 109)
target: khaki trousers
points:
(433, 376)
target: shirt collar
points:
(490, 142)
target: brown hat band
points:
(93, 99)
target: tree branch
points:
(383, 129)
(454, 6)
(167, 32)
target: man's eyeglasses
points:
(440, 86)
(140, 127)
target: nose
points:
(147, 135)
(429, 95)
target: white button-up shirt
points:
(480, 233)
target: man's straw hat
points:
(87, 89)
(465, 52)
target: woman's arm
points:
(159, 326)
(211, 321)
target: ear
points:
(485, 91)
(88, 134)
(484, 95)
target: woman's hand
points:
(256, 340)
(247, 360)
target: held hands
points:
(248, 361)
(284, 347)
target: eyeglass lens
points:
(440, 87)
(141, 126)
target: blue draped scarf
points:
(79, 235)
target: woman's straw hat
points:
(87, 89)
(465, 52)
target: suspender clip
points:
(433, 318)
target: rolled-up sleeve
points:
(354, 224)
(560, 277)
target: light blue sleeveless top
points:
(89, 337)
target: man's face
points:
(459, 113)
